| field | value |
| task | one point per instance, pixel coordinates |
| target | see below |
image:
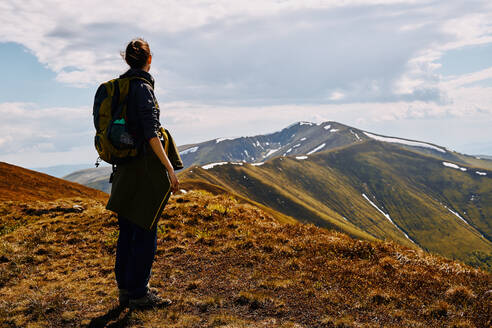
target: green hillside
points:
(374, 190)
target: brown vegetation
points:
(224, 264)
(17, 183)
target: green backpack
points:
(113, 142)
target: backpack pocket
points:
(119, 136)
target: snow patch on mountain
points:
(271, 151)
(222, 139)
(304, 138)
(334, 130)
(327, 127)
(209, 166)
(461, 218)
(189, 150)
(355, 134)
(316, 149)
(480, 173)
(404, 142)
(456, 214)
(387, 216)
(454, 166)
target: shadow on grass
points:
(104, 321)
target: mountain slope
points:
(300, 138)
(373, 188)
(304, 138)
(97, 178)
(60, 171)
(223, 263)
(17, 183)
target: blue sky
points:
(30, 81)
(415, 69)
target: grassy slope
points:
(414, 189)
(224, 263)
(17, 183)
(269, 190)
(481, 162)
(411, 187)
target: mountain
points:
(97, 178)
(222, 261)
(484, 157)
(300, 138)
(364, 184)
(61, 170)
(374, 189)
(304, 138)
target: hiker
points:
(136, 182)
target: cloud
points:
(27, 128)
(35, 137)
(256, 52)
(227, 68)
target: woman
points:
(137, 181)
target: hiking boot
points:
(150, 300)
(123, 297)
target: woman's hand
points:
(174, 181)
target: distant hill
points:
(223, 263)
(60, 171)
(376, 188)
(300, 138)
(97, 178)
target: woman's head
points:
(137, 54)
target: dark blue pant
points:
(135, 253)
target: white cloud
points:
(225, 68)
(256, 52)
(462, 80)
(35, 137)
(336, 95)
(25, 128)
(40, 158)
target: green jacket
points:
(141, 187)
(171, 148)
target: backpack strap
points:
(116, 106)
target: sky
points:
(414, 69)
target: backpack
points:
(113, 142)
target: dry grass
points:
(225, 264)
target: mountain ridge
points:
(411, 197)
(299, 138)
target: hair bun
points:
(137, 53)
